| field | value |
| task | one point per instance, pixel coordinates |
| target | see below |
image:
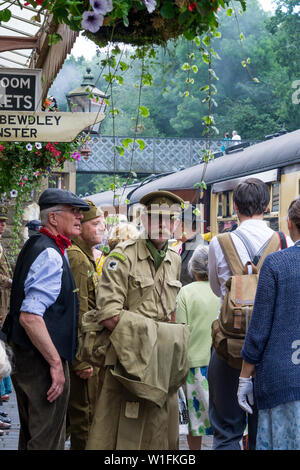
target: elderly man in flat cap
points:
(145, 357)
(84, 378)
(42, 323)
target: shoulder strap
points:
(273, 245)
(246, 242)
(231, 255)
(283, 241)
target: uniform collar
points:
(144, 253)
(87, 250)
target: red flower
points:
(192, 6)
(2, 148)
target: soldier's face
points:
(2, 226)
(92, 231)
(160, 227)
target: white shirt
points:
(257, 231)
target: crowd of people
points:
(97, 344)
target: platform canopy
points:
(24, 42)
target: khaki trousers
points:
(81, 407)
(43, 424)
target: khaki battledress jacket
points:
(146, 359)
(83, 392)
(5, 275)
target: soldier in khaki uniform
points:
(84, 378)
(146, 351)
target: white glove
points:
(245, 392)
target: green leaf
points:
(205, 57)
(127, 142)
(206, 40)
(119, 149)
(189, 34)
(144, 111)
(54, 39)
(140, 143)
(167, 10)
(229, 11)
(124, 66)
(5, 15)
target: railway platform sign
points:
(20, 89)
(25, 126)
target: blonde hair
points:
(5, 367)
(121, 232)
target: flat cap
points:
(52, 196)
(162, 202)
(3, 213)
(34, 224)
(93, 212)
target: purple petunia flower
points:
(101, 7)
(150, 5)
(91, 21)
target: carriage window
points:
(226, 206)
(275, 197)
(220, 205)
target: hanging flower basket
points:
(135, 22)
(154, 22)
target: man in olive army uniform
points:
(5, 271)
(84, 378)
(145, 357)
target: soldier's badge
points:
(113, 265)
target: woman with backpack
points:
(271, 352)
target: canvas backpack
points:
(229, 330)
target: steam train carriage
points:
(275, 161)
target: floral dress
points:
(196, 389)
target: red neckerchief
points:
(61, 241)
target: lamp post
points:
(87, 99)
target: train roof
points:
(275, 153)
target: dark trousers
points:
(227, 418)
(43, 424)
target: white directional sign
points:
(44, 126)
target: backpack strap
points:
(231, 255)
(283, 241)
(273, 245)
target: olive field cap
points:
(93, 212)
(162, 202)
(52, 196)
(34, 224)
(3, 213)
